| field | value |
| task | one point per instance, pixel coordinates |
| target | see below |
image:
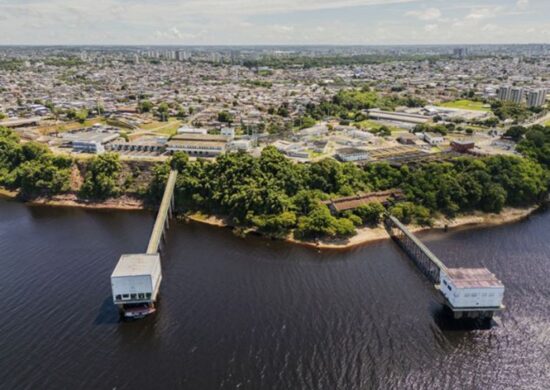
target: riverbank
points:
(7, 194)
(123, 203)
(364, 236)
(367, 236)
(72, 200)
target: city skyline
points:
(280, 22)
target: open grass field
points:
(374, 125)
(547, 124)
(464, 104)
(166, 128)
(68, 126)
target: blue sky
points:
(273, 21)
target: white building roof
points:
(136, 264)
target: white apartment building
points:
(536, 98)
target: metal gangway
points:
(428, 263)
(164, 215)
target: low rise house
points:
(91, 141)
(340, 205)
(319, 146)
(228, 132)
(364, 135)
(462, 146)
(191, 130)
(433, 139)
(241, 145)
(291, 149)
(315, 131)
(407, 139)
(206, 145)
(352, 154)
(397, 117)
(146, 145)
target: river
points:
(259, 314)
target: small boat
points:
(138, 311)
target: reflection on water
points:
(260, 314)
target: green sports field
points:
(466, 105)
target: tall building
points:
(518, 95)
(536, 98)
(182, 55)
(505, 92)
(460, 52)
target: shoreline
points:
(124, 203)
(365, 236)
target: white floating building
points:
(471, 289)
(135, 283)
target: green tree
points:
(370, 214)
(319, 223)
(163, 111)
(145, 106)
(44, 176)
(225, 117)
(516, 133)
(278, 225)
(101, 179)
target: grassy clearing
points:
(547, 124)
(373, 125)
(466, 105)
(163, 128)
(69, 126)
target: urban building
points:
(460, 52)
(433, 139)
(517, 95)
(462, 146)
(90, 141)
(536, 98)
(505, 92)
(352, 154)
(471, 287)
(397, 117)
(198, 144)
(407, 139)
(228, 132)
(192, 130)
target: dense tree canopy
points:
(31, 167)
(276, 196)
(101, 180)
(536, 145)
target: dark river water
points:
(257, 314)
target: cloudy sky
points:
(273, 21)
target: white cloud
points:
(282, 28)
(176, 33)
(522, 4)
(482, 13)
(430, 27)
(426, 14)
